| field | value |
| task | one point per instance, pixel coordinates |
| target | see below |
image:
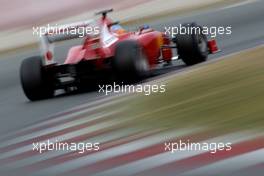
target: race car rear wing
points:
(63, 33)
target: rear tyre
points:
(36, 83)
(192, 47)
(130, 61)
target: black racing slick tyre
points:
(35, 82)
(130, 61)
(192, 45)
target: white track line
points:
(240, 4)
(228, 166)
(115, 151)
(167, 157)
(63, 137)
(56, 128)
(97, 104)
(51, 154)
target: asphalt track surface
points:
(16, 111)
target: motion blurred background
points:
(218, 101)
(18, 17)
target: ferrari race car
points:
(110, 48)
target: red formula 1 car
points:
(129, 55)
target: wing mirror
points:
(112, 24)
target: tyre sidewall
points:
(35, 83)
(188, 46)
(130, 60)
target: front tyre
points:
(36, 83)
(192, 47)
